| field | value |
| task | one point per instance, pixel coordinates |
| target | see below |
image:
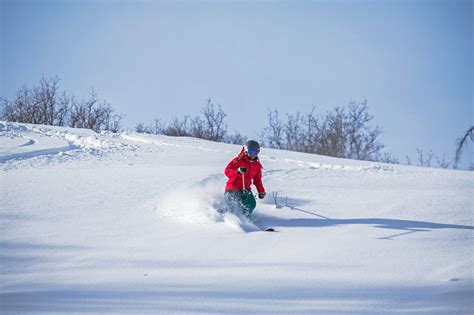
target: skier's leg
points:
(246, 210)
(248, 204)
(232, 201)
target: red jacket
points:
(253, 173)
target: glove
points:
(242, 170)
(261, 195)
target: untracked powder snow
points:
(132, 223)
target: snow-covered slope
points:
(125, 223)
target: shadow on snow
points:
(409, 226)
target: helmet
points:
(252, 147)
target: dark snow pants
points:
(233, 203)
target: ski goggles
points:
(253, 152)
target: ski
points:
(263, 228)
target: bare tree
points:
(156, 127)
(114, 122)
(9, 111)
(462, 143)
(91, 114)
(424, 161)
(45, 100)
(313, 133)
(82, 113)
(210, 126)
(362, 138)
(272, 135)
(178, 128)
(215, 128)
(44, 104)
(345, 132)
(387, 158)
(235, 138)
(333, 138)
(294, 135)
(442, 163)
(63, 109)
(41, 104)
(198, 128)
(141, 128)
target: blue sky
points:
(411, 60)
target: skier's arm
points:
(231, 169)
(257, 181)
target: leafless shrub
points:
(422, 160)
(345, 132)
(198, 128)
(93, 115)
(272, 136)
(294, 135)
(44, 104)
(442, 163)
(210, 126)
(156, 127)
(178, 128)
(426, 159)
(235, 138)
(387, 158)
(462, 143)
(214, 128)
(142, 128)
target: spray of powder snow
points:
(195, 204)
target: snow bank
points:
(8, 127)
(50, 143)
(94, 144)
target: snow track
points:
(31, 141)
(47, 142)
(31, 154)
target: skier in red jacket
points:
(242, 171)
